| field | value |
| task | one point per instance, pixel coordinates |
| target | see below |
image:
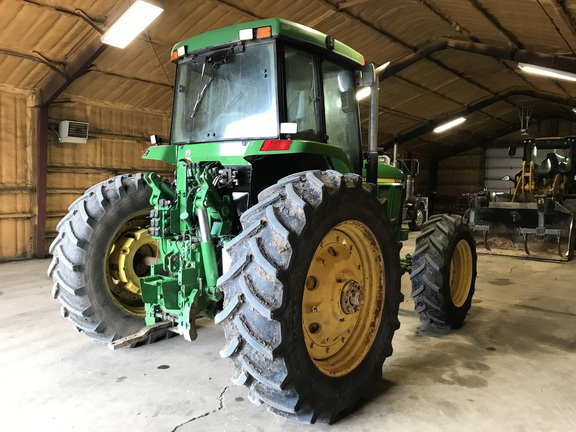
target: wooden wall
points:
(463, 172)
(17, 190)
(118, 136)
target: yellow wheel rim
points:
(343, 298)
(460, 273)
(127, 260)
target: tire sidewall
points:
(118, 321)
(456, 315)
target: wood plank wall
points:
(118, 136)
(462, 173)
(17, 191)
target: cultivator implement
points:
(539, 230)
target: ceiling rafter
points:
(441, 95)
(505, 53)
(78, 13)
(405, 45)
(565, 14)
(93, 69)
(395, 112)
(350, 3)
(496, 23)
(73, 69)
(465, 32)
(448, 19)
(54, 66)
(554, 25)
(477, 106)
(508, 34)
(460, 28)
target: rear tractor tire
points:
(311, 301)
(444, 271)
(98, 256)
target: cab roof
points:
(279, 28)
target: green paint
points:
(281, 28)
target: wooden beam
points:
(350, 3)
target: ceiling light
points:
(544, 71)
(363, 93)
(574, 110)
(131, 24)
(449, 125)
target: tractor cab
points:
(551, 156)
(268, 99)
(262, 83)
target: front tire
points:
(444, 271)
(311, 303)
(99, 255)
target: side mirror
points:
(512, 151)
(368, 75)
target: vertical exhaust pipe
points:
(374, 82)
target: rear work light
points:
(263, 32)
(255, 33)
(276, 145)
(181, 51)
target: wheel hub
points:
(419, 217)
(352, 297)
(130, 253)
(343, 298)
(128, 258)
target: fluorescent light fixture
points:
(449, 125)
(363, 93)
(547, 72)
(131, 24)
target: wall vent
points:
(73, 132)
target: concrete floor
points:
(510, 368)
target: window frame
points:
(319, 57)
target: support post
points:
(41, 178)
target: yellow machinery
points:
(536, 219)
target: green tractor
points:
(276, 226)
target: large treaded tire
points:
(263, 293)
(444, 271)
(79, 255)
